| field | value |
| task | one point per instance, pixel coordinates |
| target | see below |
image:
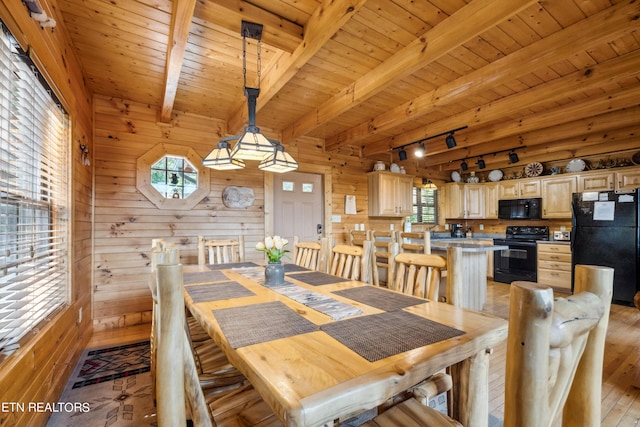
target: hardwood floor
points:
(620, 398)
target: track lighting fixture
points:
(402, 154)
(420, 150)
(450, 140)
(513, 157)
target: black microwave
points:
(520, 209)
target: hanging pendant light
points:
(220, 158)
(252, 144)
(279, 161)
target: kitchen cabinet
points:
(465, 200)
(556, 196)
(491, 202)
(597, 181)
(554, 265)
(627, 180)
(519, 189)
(390, 194)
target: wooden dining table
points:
(321, 348)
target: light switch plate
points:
(336, 218)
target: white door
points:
(298, 206)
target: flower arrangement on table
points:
(273, 246)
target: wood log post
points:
(583, 405)
(455, 294)
(391, 270)
(202, 256)
(325, 254)
(368, 261)
(526, 378)
(170, 370)
(470, 395)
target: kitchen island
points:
(468, 260)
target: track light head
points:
(450, 140)
(481, 163)
(513, 157)
(402, 154)
(420, 150)
(464, 166)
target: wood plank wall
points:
(125, 221)
(39, 370)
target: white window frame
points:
(35, 134)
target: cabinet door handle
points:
(611, 185)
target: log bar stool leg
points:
(636, 379)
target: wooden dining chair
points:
(306, 254)
(385, 248)
(414, 242)
(220, 251)
(358, 237)
(178, 380)
(419, 274)
(353, 262)
(555, 351)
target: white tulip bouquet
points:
(273, 247)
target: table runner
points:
(317, 278)
(380, 298)
(204, 277)
(378, 336)
(324, 304)
(217, 291)
(253, 324)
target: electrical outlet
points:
(481, 226)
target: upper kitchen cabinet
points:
(623, 180)
(465, 201)
(627, 180)
(491, 200)
(600, 181)
(519, 189)
(390, 194)
(556, 196)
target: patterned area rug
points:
(110, 386)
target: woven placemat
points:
(291, 268)
(204, 277)
(316, 278)
(380, 298)
(253, 324)
(378, 336)
(231, 265)
(217, 291)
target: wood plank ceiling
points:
(558, 78)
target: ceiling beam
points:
(492, 138)
(435, 43)
(229, 14)
(600, 28)
(558, 90)
(178, 35)
(326, 20)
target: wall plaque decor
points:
(238, 197)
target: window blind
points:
(34, 139)
(425, 205)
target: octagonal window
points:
(174, 177)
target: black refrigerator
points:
(606, 231)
